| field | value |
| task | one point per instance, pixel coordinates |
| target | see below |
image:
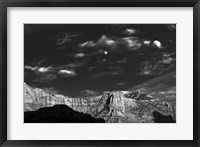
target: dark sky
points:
(81, 59)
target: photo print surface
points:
(99, 73)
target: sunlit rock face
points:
(113, 107)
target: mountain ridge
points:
(114, 107)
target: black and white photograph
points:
(99, 73)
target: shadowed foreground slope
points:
(59, 114)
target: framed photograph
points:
(103, 73)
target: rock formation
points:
(113, 107)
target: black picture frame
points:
(4, 4)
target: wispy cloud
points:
(121, 83)
(157, 67)
(38, 69)
(44, 69)
(130, 43)
(67, 38)
(130, 31)
(105, 41)
(168, 60)
(30, 68)
(67, 72)
(44, 78)
(48, 74)
(88, 44)
(63, 40)
(147, 42)
(106, 74)
(79, 55)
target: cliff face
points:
(113, 107)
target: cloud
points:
(100, 75)
(44, 69)
(65, 73)
(157, 44)
(47, 74)
(49, 77)
(157, 67)
(77, 63)
(30, 68)
(122, 43)
(88, 44)
(96, 52)
(147, 42)
(114, 73)
(121, 83)
(168, 60)
(91, 68)
(130, 31)
(132, 43)
(115, 67)
(39, 74)
(102, 61)
(38, 69)
(123, 61)
(79, 55)
(42, 61)
(44, 78)
(102, 42)
(75, 55)
(67, 38)
(63, 40)
(68, 72)
(105, 41)
(106, 74)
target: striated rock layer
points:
(113, 107)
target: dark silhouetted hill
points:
(59, 114)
